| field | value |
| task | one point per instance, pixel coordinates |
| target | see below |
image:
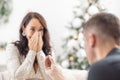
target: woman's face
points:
(33, 26)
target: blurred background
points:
(65, 20)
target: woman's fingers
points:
(51, 59)
(33, 42)
(40, 42)
(49, 62)
(36, 42)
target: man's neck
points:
(104, 51)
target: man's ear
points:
(92, 40)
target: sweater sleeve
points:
(58, 72)
(41, 63)
(17, 70)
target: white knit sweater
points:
(21, 68)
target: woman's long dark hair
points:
(22, 45)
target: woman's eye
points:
(41, 29)
(32, 29)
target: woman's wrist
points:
(32, 52)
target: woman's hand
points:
(53, 71)
(40, 42)
(35, 43)
(49, 64)
(32, 42)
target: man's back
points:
(108, 68)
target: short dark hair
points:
(105, 24)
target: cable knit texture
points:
(21, 68)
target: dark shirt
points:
(107, 68)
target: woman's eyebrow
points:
(32, 26)
(41, 27)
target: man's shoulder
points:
(112, 61)
(99, 65)
(107, 68)
(109, 65)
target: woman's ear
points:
(23, 28)
(23, 31)
(92, 40)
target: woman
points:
(26, 57)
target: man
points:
(102, 41)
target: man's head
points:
(101, 34)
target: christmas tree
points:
(5, 10)
(74, 55)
